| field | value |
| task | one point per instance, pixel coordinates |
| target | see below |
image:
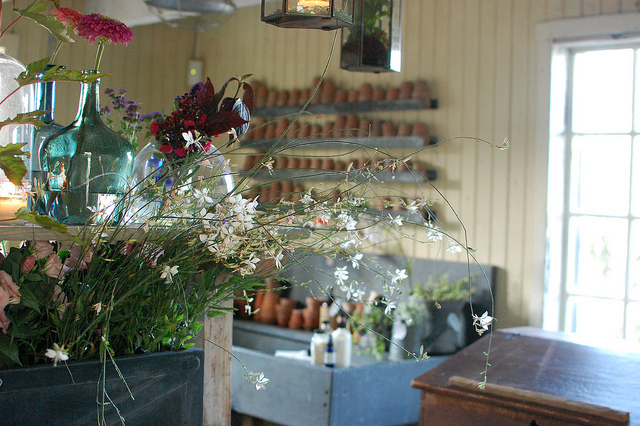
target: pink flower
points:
(8, 286)
(4, 321)
(181, 152)
(53, 266)
(43, 249)
(67, 16)
(74, 260)
(28, 264)
(96, 26)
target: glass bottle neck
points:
(46, 98)
(89, 108)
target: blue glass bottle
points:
(87, 166)
(46, 101)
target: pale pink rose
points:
(7, 284)
(42, 249)
(4, 322)
(28, 264)
(53, 266)
(4, 301)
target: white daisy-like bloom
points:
(261, 382)
(341, 275)
(168, 272)
(355, 260)
(400, 275)
(346, 222)
(57, 354)
(191, 140)
(482, 323)
(390, 307)
(396, 221)
(307, 199)
(454, 248)
(202, 196)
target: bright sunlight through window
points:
(593, 281)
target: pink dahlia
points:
(96, 26)
(67, 16)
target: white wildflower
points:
(168, 272)
(454, 247)
(202, 196)
(390, 307)
(57, 354)
(396, 221)
(341, 275)
(400, 275)
(482, 323)
(355, 260)
(261, 382)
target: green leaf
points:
(28, 299)
(25, 118)
(48, 223)
(9, 349)
(35, 73)
(11, 164)
(50, 23)
(33, 277)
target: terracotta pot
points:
(406, 90)
(392, 93)
(353, 95)
(270, 299)
(294, 97)
(404, 129)
(283, 311)
(328, 95)
(304, 96)
(270, 131)
(366, 92)
(379, 94)
(421, 90)
(283, 98)
(296, 320)
(420, 129)
(341, 96)
(272, 98)
(311, 318)
(305, 163)
(365, 127)
(351, 122)
(316, 131)
(388, 129)
(376, 127)
(304, 132)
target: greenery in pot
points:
(369, 33)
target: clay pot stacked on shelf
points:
(344, 126)
(329, 92)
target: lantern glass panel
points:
(372, 44)
(317, 14)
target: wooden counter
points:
(535, 378)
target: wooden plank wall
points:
(478, 56)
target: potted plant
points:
(433, 318)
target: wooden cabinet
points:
(534, 379)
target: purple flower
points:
(106, 30)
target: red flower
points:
(166, 148)
(67, 16)
(153, 128)
(189, 123)
(104, 29)
(203, 119)
(181, 152)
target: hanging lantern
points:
(314, 14)
(372, 44)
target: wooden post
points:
(217, 370)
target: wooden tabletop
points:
(545, 364)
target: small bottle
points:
(330, 354)
(318, 347)
(342, 341)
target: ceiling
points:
(135, 12)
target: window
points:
(593, 227)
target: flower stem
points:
(55, 53)
(99, 55)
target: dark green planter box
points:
(167, 386)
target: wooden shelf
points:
(330, 175)
(349, 107)
(341, 142)
(20, 230)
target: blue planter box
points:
(167, 387)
